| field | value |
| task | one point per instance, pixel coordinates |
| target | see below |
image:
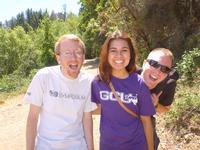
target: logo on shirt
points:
(66, 95)
(28, 93)
(53, 93)
(126, 98)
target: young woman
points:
(118, 129)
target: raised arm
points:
(163, 100)
(159, 107)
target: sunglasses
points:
(155, 64)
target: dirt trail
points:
(13, 116)
(14, 112)
(12, 129)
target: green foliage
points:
(15, 48)
(169, 24)
(186, 102)
(92, 39)
(47, 34)
(15, 83)
(89, 26)
(9, 83)
(189, 64)
(45, 41)
(186, 108)
(70, 25)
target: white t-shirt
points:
(62, 103)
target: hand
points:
(155, 98)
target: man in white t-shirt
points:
(60, 106)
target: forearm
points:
(88, 129)
(31, 132)
(162, 109)
(31, 127)
(148, 130)
(159, 107)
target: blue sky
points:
(10, 8)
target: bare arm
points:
(148, 130)
(159, 108)
(88, 129)
(162, 109)
(31, 126)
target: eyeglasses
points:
(68, 54)
(155, 64)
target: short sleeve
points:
(95, 92)
(146, 107)
(36, 89)
(90, 106)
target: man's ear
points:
(57, 58)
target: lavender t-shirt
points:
(118, 129)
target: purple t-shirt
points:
(118, 129)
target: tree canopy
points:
(27, 40)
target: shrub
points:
(12, 82)
(186, 109)
(189, 65)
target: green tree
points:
(188, 65)
(170, 24)
(158, 23)
(45, 40)
(90, 27)
(20, 19)
(15, 48)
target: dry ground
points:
(13, 121)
